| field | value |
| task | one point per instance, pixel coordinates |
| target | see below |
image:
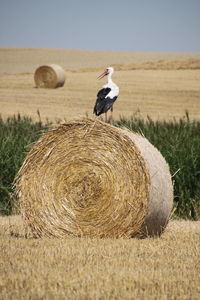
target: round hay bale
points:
(49, 76)
(88, 178)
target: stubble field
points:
(159, 88)
(80, 268)
(156, 84)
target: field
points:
(161, 89)
(160, 85)
(159, 268)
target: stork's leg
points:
(111, 118)
(111, 114)
(106, 119)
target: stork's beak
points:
(102, 75)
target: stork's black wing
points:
(103, 105)
(106, 104)
(103, 93)
(100, 102)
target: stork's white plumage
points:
(107, 95)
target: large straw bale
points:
(88, 178)
(49, 76)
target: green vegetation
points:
(16, 135)
(177, 140)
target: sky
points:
(120, 25)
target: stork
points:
(107, 95)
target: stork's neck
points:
(110, 78)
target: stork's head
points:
(108, 71)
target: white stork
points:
(107, 95)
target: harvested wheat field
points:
(162, 85)
(81, 268)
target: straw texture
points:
(88, 178)
(161, 188)
(84, 178)
(49, 76)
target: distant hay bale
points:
(88, 178)
(49, 76)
